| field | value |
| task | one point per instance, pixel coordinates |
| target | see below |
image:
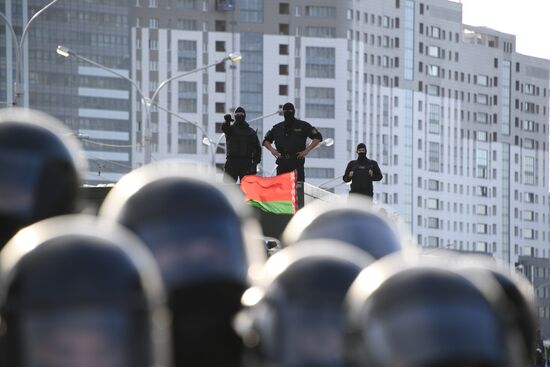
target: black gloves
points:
(227, 118)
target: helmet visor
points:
(19, 175)
(84, 338)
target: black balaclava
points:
(288, 112)
(240, 120)
(362, 155)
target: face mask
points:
(239, 119)
(362, 155)
(289, 115)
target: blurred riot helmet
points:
(357, 222)
(515, 303)
(294, 316)
(81, 292)
(206, 244)
(421, 316)
(40, 168)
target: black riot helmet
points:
(206, 244)
(421, 316)
(515, 303)
(357, 222)
(40, 170)
(294, 316)
(77, 291)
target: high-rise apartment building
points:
(93, 103)
(456, 118)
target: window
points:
(284, 29)
(284, 8)
(528, 215)
(187, 138)
(321, 11)
(482, 99)
(220, 87)
(482, 80)
(433, 156)
(324, 151)
(251, 11)
(433, 70)
(220, 26)
(187, 4)
(187, 24)
(528, 233)
(283, 90)
(433, 223)
(528, 125)
(187, 55)
(283, 69)
(153, 44)
(320, 102)
(283, 49)
(482, 136)
(482, 117)
(529, 197)
(481, 209)
(433, 185)
(153, 23)
(220, 107)
(435, 32)
(434, 119)
(481, 228)
(434, 51)
(529, 169)
(482, 161)
(482, 191)
(433, 90)
(432, 204)
(311, 172)
(320, 62)
(187, 97)
(220, 46)
(152, 3)
(320, 32)
(220, 68)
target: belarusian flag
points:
(275, 194)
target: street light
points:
(19, 49)
(146, 101)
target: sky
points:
(528, 19)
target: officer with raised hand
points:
(243, 148)
(294, 313)
(40, 170)
(78, 291)
(206, 243)
(290, 137)
(362, 172)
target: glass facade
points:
(320, 102)
(320, 62)
(409, 39)
(252, 46)
(506, 96)
(88, 100)
(251, 11)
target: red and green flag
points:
(275, 194)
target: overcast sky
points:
(529, 20)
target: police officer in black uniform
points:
(290, 142)
(362, 172)
(243, 146)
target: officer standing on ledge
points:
(243, 146)
(362, 172)
(290, 142)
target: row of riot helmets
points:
(172, 272)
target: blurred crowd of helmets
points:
(174, 271)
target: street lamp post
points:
(18, 90)
(146, 101)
